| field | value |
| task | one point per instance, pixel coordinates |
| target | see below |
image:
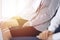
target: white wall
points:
(0, 8)
(26, 8)
(23, 8)
(8, 8)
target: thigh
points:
(21, 32)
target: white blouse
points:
(45, 14)
(55, 22)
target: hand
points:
(44, 35)
(27, 24)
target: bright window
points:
(23, 8)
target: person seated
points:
(53, 32)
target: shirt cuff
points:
(51, 28)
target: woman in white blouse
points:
(44, 13)
(55, 22)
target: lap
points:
(27, 31)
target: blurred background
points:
(22, 8)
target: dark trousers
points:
(57, 30)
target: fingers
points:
(44, 35)
(50, 37)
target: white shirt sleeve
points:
(39, 19)
(55, 22)
(46, 13)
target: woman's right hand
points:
(44, 35)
